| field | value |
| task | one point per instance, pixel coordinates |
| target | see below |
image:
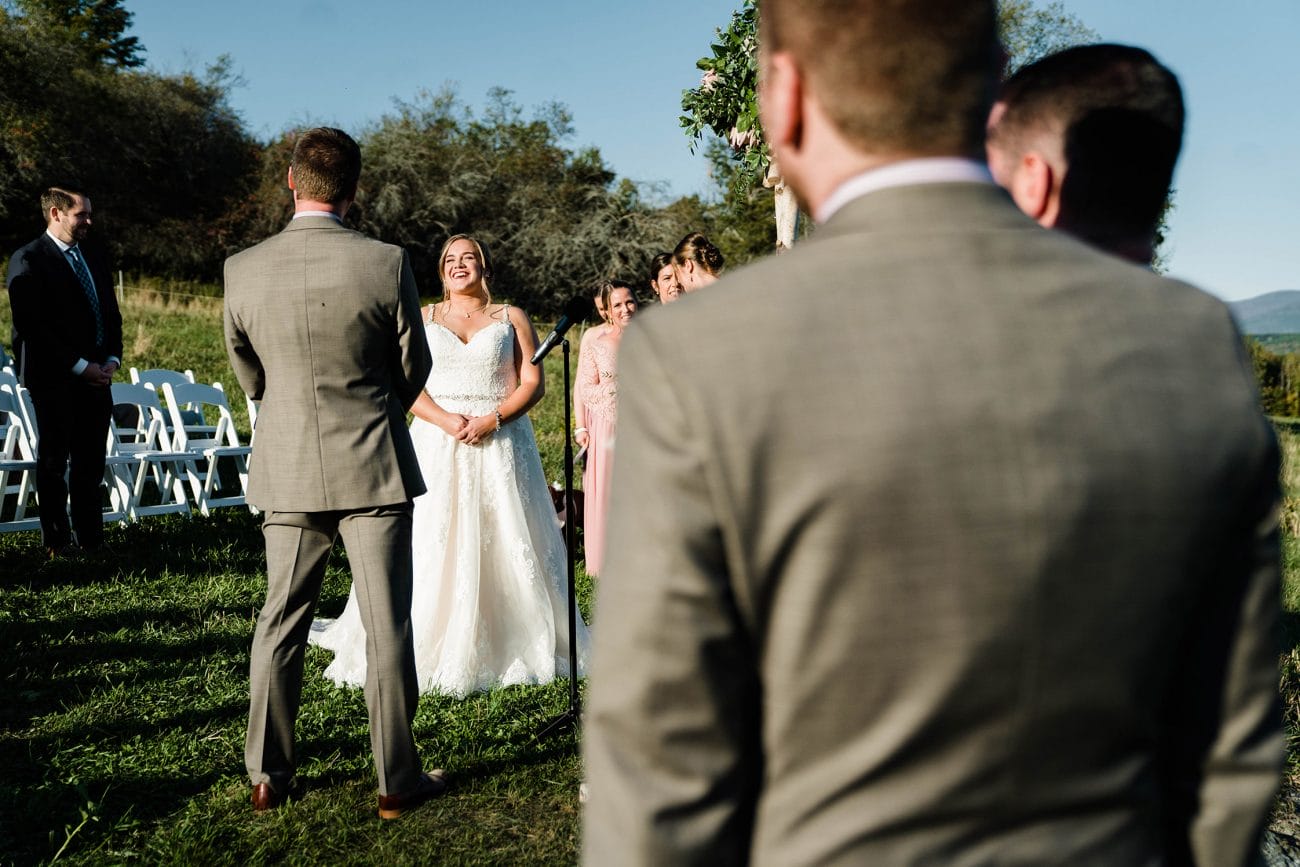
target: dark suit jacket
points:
(941, 539)
(53, 323)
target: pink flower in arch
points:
(742, 141)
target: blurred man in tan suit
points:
(323, 327)
(1086, 139)
(942, 539)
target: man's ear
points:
(781, 102)
(289, 180)
(1035, 186)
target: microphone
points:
(577, 310)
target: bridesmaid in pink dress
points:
(598, 384)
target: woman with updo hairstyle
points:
(696, 262)
(663, 279)
(598, 375)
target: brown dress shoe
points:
(266, 798)
(431, 785)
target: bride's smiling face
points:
(461, 269)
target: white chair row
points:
(17, 461)
(178, 440)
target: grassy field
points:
(123, 694)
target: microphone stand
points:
(571, 717)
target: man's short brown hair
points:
(901, 76)
(62, 197)
(326, 165)
(1118, 114)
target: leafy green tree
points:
(554, 219)
(1030, 31)
(164, 157)
(97, 27)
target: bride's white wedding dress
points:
(488, 606)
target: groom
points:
(323, 326)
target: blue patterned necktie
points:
(83, 275)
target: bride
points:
(488, 607)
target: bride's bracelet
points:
(497, 413)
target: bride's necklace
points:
(451, 309)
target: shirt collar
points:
(333, 216)
(906, 173)
(63, 248)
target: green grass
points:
(121, 731)
(123, 693)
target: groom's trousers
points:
(378, 542)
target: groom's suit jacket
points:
(941, 539)
(323, 326)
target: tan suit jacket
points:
(942, 539)
(323, 326)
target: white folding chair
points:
(116, 509)
(157, 377)
(17, 460)
(209, 444)
(9, 383)
(253, 407)
(149, 450)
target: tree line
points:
(178, 183)
(1278, 377)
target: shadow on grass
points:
(123, 695)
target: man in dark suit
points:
(942, 538)
(323, 327)
(1086, 140)
(67, 344)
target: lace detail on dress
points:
(488, 606)
(598, 373)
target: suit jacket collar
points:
(938, 207)
(904, 173)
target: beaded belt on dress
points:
(465, 396)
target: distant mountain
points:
(1273, 313)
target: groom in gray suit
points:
(323, 327)
(942, 539)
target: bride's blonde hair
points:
(483, 259)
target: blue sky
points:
(620, 67)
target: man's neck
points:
(1138, 249)
(63, 245)
(311, 206)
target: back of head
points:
(895, 76)
(1118, 115)
(700, 250)
(326, 165)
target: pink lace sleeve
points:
(598, 379)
